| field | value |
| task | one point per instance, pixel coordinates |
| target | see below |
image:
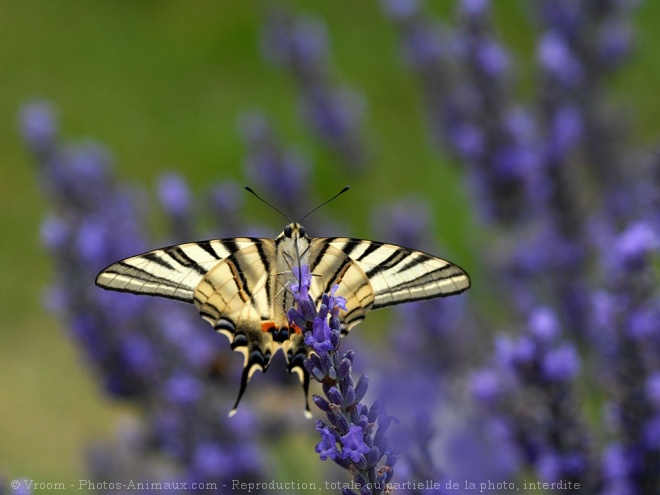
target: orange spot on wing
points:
(268, 326)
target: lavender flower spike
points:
(158, 357)
(355, 436)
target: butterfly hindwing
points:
(239, 297)
(241, 279)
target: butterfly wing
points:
(329, 266)
(173, 272)
(244, 298)
(228, 280)
(375, 275)
(240, 286)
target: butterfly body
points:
(242, 286)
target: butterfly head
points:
(294, 231)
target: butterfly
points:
(241, 286)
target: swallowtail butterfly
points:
(241, 285)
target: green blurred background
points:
(161, 84)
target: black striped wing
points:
(234, 284)
(374, 275)
(173, 272)
(240, 286)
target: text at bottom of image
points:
(244, 487)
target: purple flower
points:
(273, 167)
(538, 364)
(407, 223)
(304, 278)
(300, 43)
(226, 201)
(138, 354)
(54, 232)
(543, 324)
(211, 460)
(401, 9)
(515, 353)
(39, 126)
(424, 46)
(615, 41)
(336, 303)
(92, 242)
(605, 307)
(319, 337)
(485, 385)
(348, 418)
(174, 194)
(474, 8)
(556, 57)
(653, 389)
(327, 447)
(634, 244)
(468, 141)
(643, 323)
(227, 197)
(549, 467)
(565, 131)
(615, 462)
(652, 433)
(334, 113)
(141, 350)
(493, 59)
(182, 389)
(561, 364)
(353, 444)
(18, 486)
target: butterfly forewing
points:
(172, 272)
(332, 266)
(398, 274)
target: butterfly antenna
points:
(346, 188)
(250, 190)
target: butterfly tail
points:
(257, 361)
(296, 352)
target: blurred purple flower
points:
(210, 459)
(543, 325)
(128, 341)
(174, 194)
(39, 127)
(557, 59)
(653, 389)
(561, 364)
(282, 172)
(182, 389)
(300, 44)
(401, 9)
(634, 244)
(485, 385)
